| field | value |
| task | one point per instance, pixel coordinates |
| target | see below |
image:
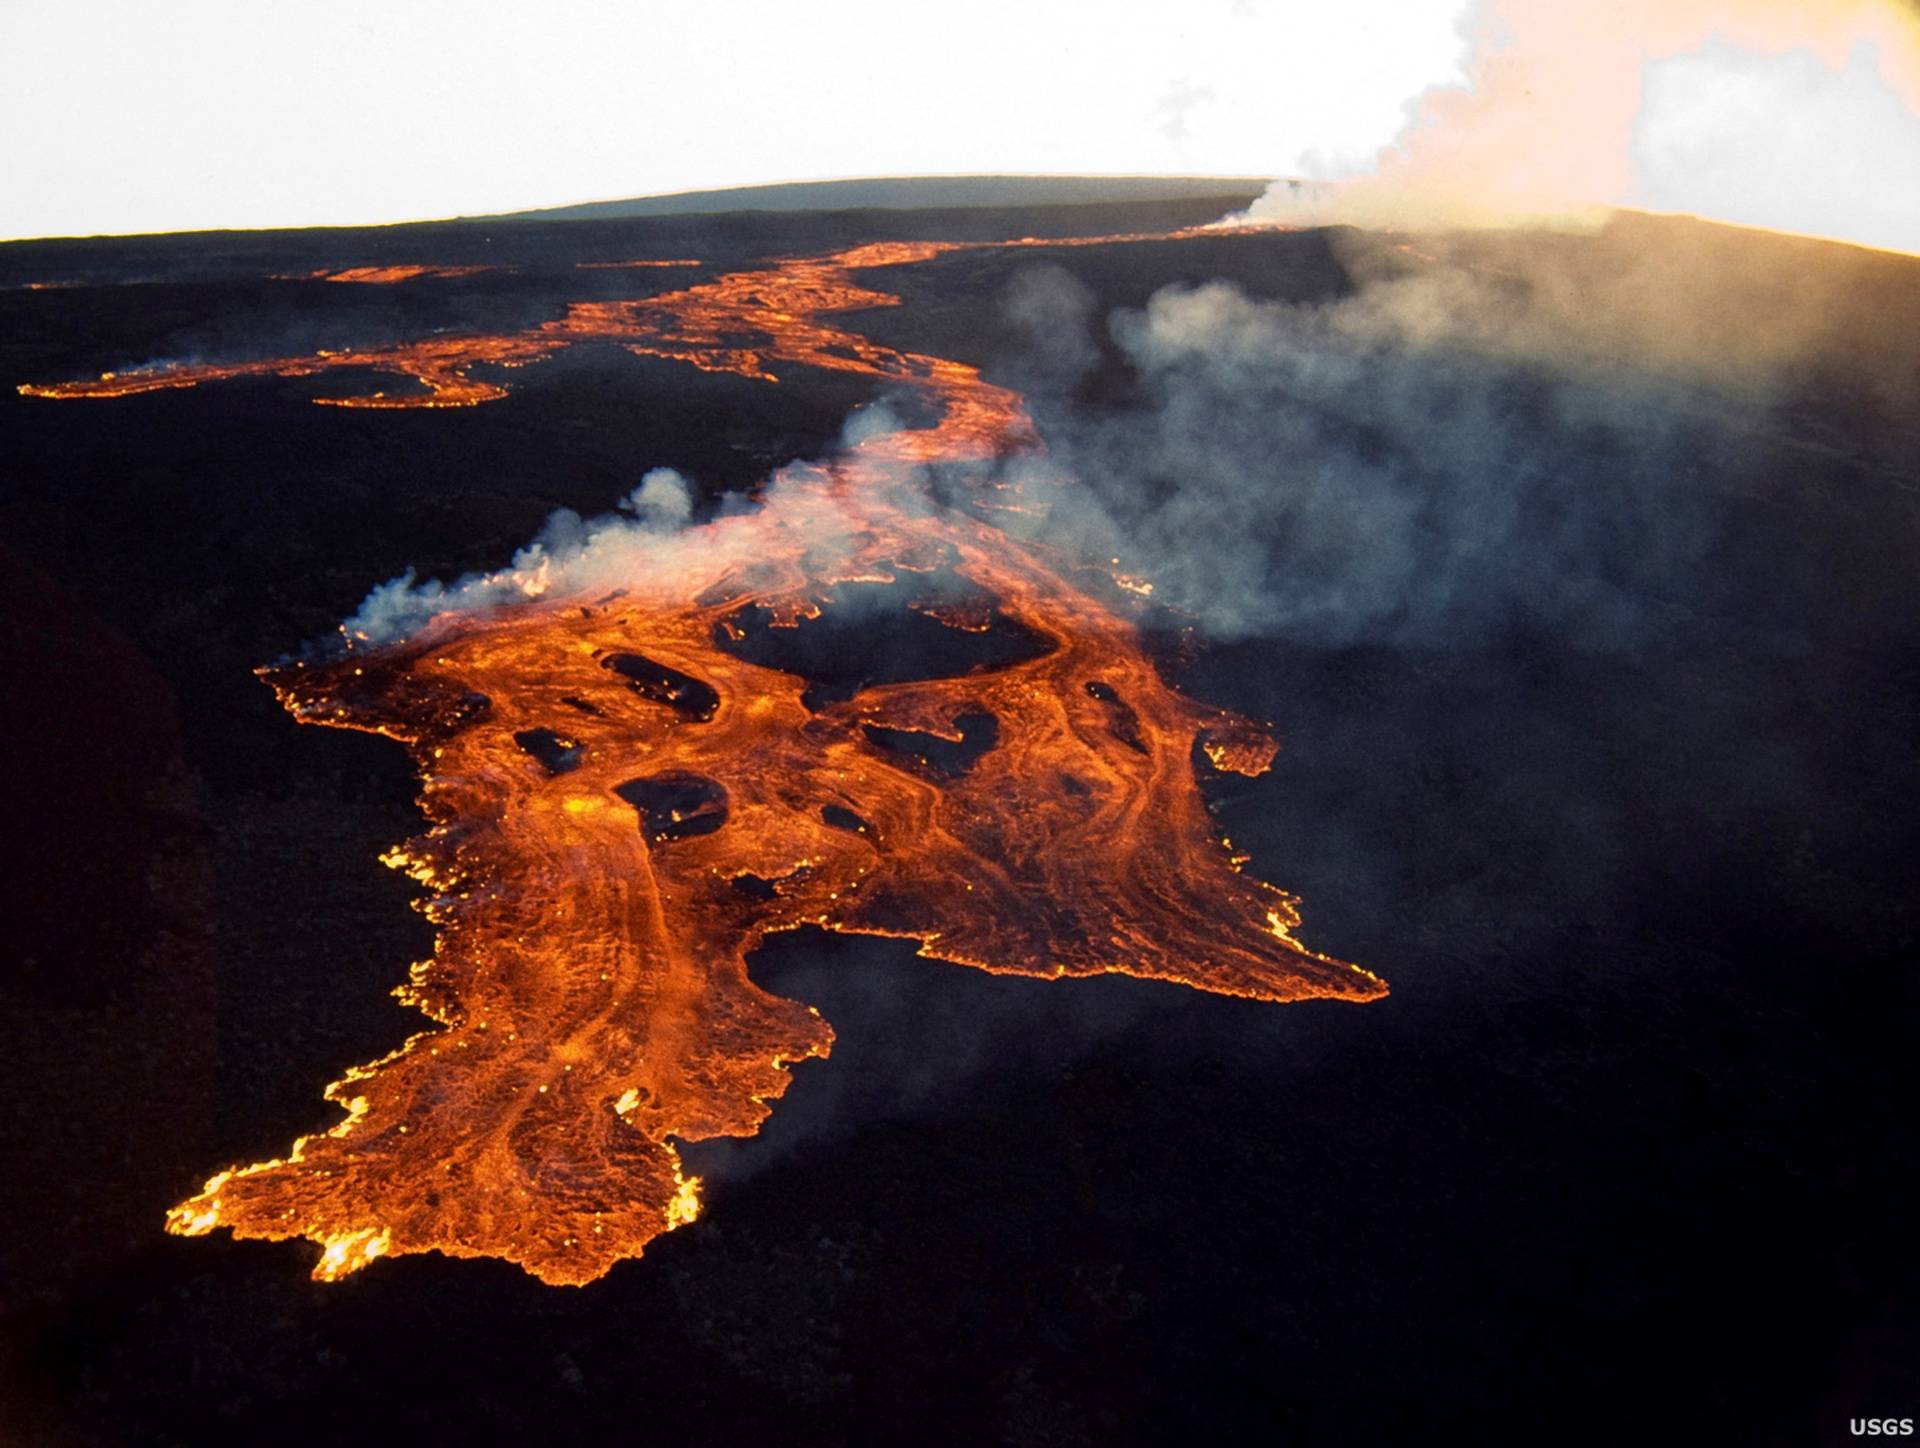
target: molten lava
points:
(644, 262)
(623, 805)
(690, 326)
(387, 275)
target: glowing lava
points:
(623, 805)
(768, 314)
(644, 262)
(387, 275)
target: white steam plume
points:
(1798, 117)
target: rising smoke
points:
(1526, 430)
(646, 542)
(1762, 112)
(1375, 469)
(569, 554)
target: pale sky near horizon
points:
(122, 116)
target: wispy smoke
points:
(570, 554)
(1793, 116)
(1508, 431)
(648, 543)
(1049, 310)
(1370, 469)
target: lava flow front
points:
(624, 801)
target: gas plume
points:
(1802, 118)
(1480, 432)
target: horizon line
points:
(717, 191)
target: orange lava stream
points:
(624, 265)
(690, 326)
(386, 275)
(622, 807)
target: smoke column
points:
(1802, 118)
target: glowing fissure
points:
(622, 807)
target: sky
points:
(138, 117)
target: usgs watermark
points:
(1880, 1427)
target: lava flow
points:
(624, 801)
(388, 275)
(687, 325)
